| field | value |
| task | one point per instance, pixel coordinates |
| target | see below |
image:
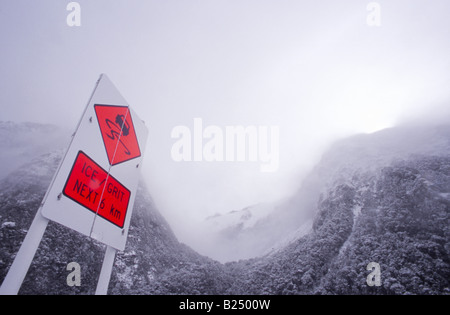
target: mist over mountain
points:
(382, 197)
(20, 141)
(263, 228)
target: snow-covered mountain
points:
(265, 228)
(381, 198)
(397, 217)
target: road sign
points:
(95, 187)
(119, 136)
(93, 191)
(90, 186)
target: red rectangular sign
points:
(92, 187)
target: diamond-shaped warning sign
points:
(119, 136)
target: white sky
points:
(314, 68)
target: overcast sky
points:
(315, 68)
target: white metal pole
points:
(105, 274)
(18, 270)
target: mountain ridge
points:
(355, 155)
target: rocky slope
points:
(397, 217)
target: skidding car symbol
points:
(120, 125)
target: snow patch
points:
(356, 211)
(8, 225)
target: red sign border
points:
(101, 134)
(108, 175)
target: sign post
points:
(94, 189)
(105, 274)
